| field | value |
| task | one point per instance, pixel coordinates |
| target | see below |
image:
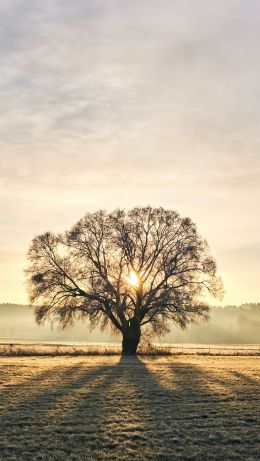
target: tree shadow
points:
(29, 422)
(15, 393)
(197, 415)
(134, 409)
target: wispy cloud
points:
(117, 103)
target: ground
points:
(112, 408)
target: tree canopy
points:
(133, 270)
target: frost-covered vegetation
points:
(112, 408)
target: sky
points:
(108, 104)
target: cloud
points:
(117, 103)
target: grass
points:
(145, 408)
(146, 349)
(69, 350)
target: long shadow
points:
(194, 421)
(133, 410)
(27, 428)
(45, 396)
(15, 393)
(138, 416)
(112, 415)
(248, 380)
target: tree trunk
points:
(131, 337)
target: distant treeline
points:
(13, 305)
(251, 306)
(243, 306)
(227, 325)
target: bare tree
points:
(133, 270)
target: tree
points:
(134, 270)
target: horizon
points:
(156, 103)
(3, 303)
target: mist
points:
(229, 325)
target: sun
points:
(133, 279)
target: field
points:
(145, 408)
(26, 348)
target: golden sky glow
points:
(112, 103)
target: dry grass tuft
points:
(20, 350)
(145, 349)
